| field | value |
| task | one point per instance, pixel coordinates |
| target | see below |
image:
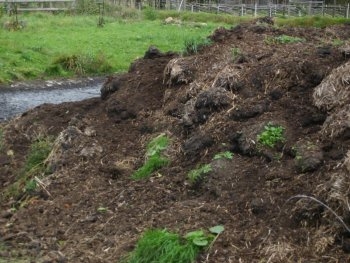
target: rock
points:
(250, 111)
(152, 52)
(257, 206)
(194, 145)
(178, 71)
(111, 85)
(308, 157)
(214, 99)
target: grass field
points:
(52, 46)
(63, 45)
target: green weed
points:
(162, 246)
(154, 160)
(196, 175)
(271, 135)
(223, 155)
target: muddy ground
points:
(220, 99)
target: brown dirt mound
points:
(221, 99)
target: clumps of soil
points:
(217, 100)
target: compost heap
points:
(284, 203)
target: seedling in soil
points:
(196, 175)
(271, 135)
(162, 246)
(223, 155)
(155, 160)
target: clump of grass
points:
(80, 64)
(162, 246)
(34, 166)
(194, 45)
(196, 175)
(154, 158)
(271, 135)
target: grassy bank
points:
(51, 46)
(61, 45)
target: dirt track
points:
(217, 100)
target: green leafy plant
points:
(283, 39)
(196, 175)
(154, 158)
(271, 135)
(223, 155)
(162, 246)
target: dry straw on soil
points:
(334, 90)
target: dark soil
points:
(220, 101)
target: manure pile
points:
(260, 120)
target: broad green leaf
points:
(216, 229)
(194, 234)
(200, 241)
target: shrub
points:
(150, 13)
(271, 135)
(154, 160)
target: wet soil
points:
(215, 101)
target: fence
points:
(37, 5)
(292, 10)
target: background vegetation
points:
(66, 44)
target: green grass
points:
(310, 21)
(271, 135)
(162, 246)
(63, 45)
(34, 166)
(154, 158)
